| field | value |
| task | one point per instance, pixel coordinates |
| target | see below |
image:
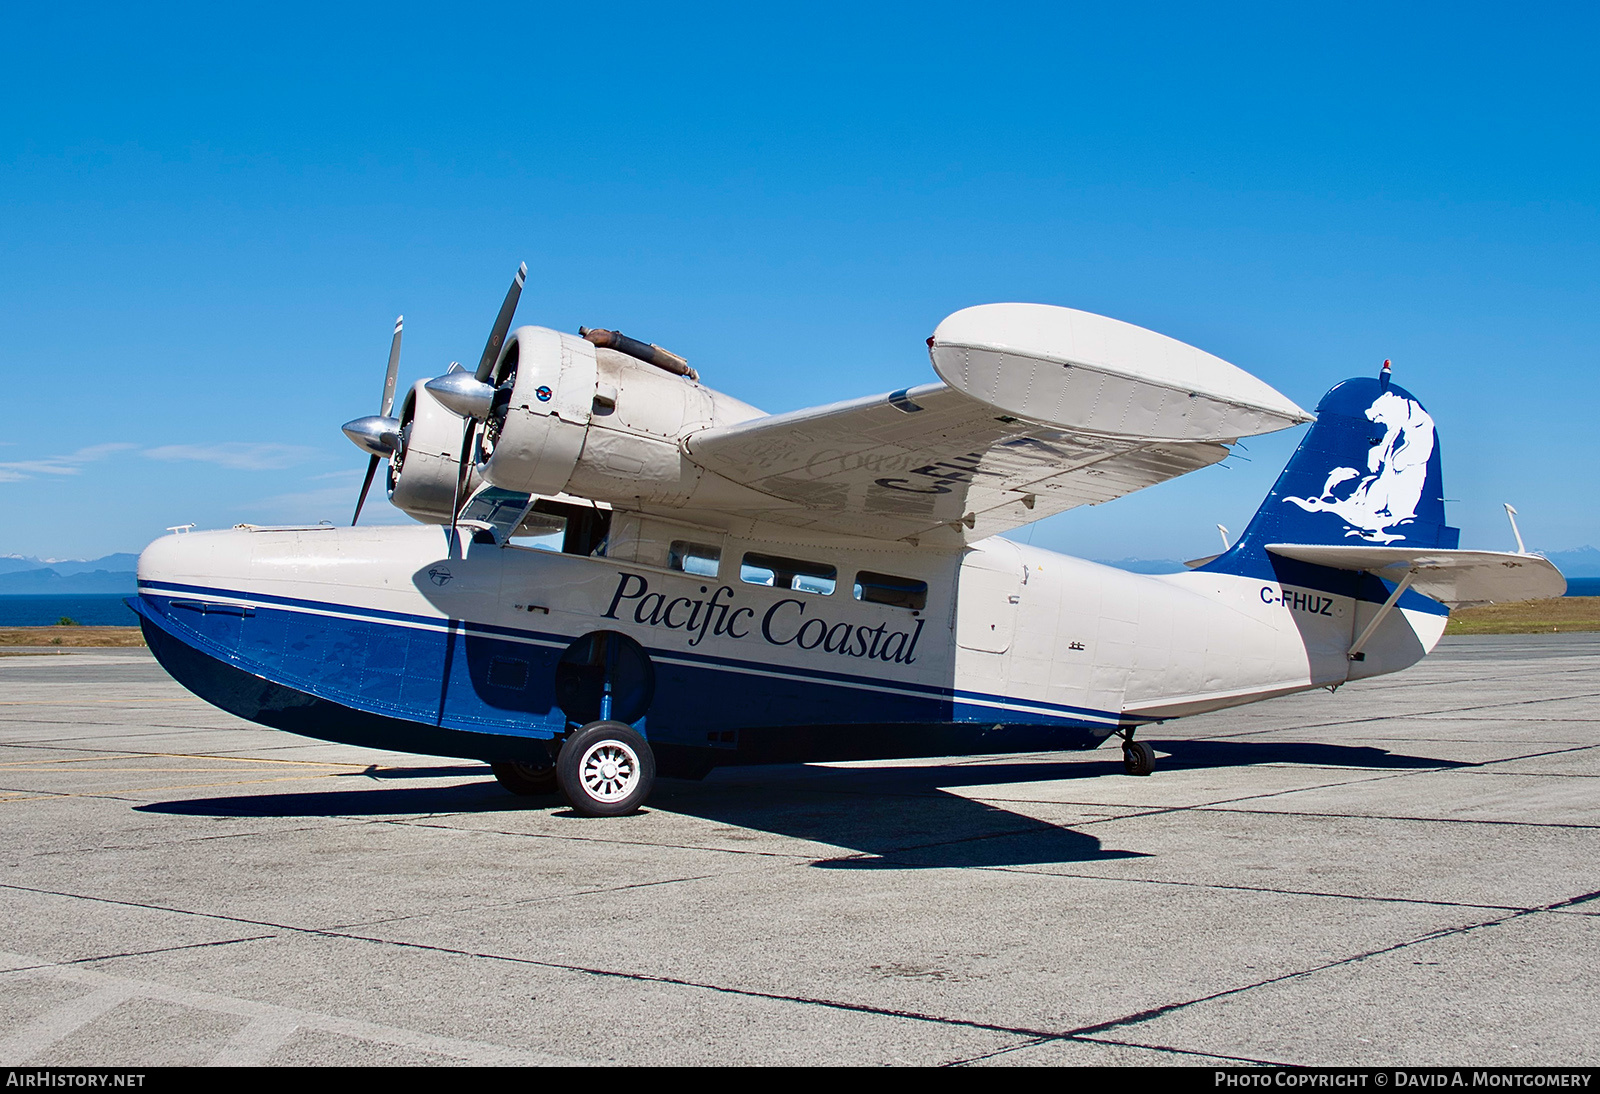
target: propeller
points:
(378, 434)
(469, 394)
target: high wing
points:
(928, 459)
(1041, 410)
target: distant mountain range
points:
(1578, 562)
(1145, 565)
(20, 576)
(67, 567)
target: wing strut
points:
(1383, 612)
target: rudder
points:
(1367, 472)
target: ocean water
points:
(46, 609)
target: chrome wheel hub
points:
(609, 771)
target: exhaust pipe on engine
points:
(643, 351)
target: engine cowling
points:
(424, 469)
(544, 399)
(570, 417)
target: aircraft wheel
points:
(606, 770)
(525, 779)
(1138, 758)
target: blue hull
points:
(457, 689)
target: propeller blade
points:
(372, 467)
(502, 324)
(465, 469)
(394, 368)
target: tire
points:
(605, 770)
(525, 779)
(1138, 758)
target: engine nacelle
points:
(545, 398)
(570, 417)
(424, 470)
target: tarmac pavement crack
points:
(654, 844)
(617, 974)
(1271, 889)
(518, 903)
(1215, 805)
(1392, 817)
(964, 1061)
(1390, 716)
(1034, 1042)
(1025, 830)
(149, 907)
(135, 953)
(1152, 1013)
(1221, 805)
(182, 841)
(721, 989)
(1205, 1053)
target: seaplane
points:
(617, 572)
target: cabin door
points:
(987, 595)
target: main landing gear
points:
(605, 769)
(1138, 758)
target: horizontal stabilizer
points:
(1456, 578)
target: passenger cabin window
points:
(901, 592)
(789, 573)
(699, 559)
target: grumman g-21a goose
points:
(620, 571)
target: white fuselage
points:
(1007, 633)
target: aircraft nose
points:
(182, 557)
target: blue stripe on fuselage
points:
(437, 671)
(440, 624)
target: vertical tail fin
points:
(1367, 472)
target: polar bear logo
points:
(1386, 495)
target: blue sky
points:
(211, 218)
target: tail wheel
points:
(606, 770)
(1138, 758)
(525, 779)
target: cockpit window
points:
(572, 529)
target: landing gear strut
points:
(1138, 758)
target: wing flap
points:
(1456, 578)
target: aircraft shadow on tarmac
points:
(901, 817)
